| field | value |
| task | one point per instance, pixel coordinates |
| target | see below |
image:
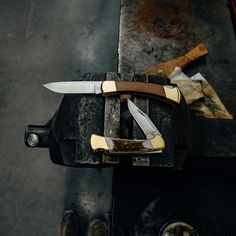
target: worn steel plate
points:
(152, 31)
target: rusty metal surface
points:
(78, 117)
(152, 31)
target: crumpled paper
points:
(199, 95)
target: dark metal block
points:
(78, 117)
(214, 137)
(112, 120)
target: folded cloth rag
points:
(199, 95)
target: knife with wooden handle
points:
(153, 144)
(109, 88)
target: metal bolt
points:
(33, 140)
(178, 229)
(161, 73)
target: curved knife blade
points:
(144, 122)
(153, 144)
(75, 87)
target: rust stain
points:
(165, 21)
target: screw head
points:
(161, 72)
(33, 140)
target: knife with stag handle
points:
(109, 88)
(153, 144)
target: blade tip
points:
(129, 102)
(47, 86)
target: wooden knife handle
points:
(126, 146)
(169, 93)
(168, 67)
(197, 52)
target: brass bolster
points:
(157, 142)
(172, 93)
(98, 143)
(109, 87)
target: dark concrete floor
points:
(43, 41)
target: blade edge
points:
(75, 87)
(139, 117)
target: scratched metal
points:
(111, 119)
(152, 31)
(148, 31)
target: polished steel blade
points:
(147, 126)
(69, 87)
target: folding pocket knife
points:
(109, 88)
(153, 144)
